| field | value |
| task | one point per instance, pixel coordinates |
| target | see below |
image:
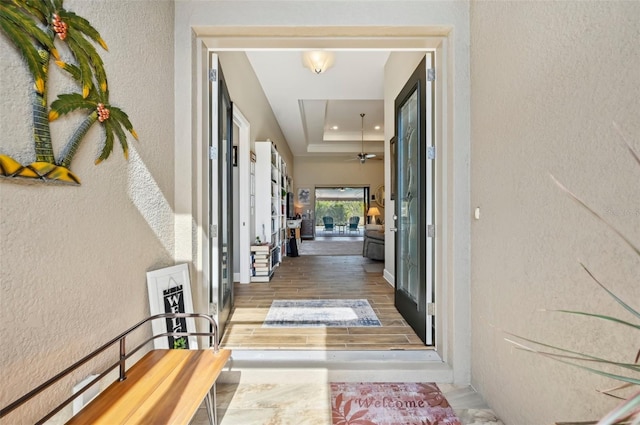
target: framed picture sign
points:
(170, 292)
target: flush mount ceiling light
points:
(317, 61)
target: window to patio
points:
(341, 204)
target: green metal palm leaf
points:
(83, 26)
(27, 24)
(107, 148)
(120, 134)
(70, 102)
(40, 9)
(20, 38)
(120, 116)
(88, 59)
(73, 70)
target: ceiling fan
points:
(363, 156)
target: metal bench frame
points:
(121, 364)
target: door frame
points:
(219, 171)
(244, 217)
(419, 318)
(454, 315)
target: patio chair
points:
(353, 224)
(328, 224)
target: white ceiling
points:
(308, 105)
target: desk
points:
(307, 229)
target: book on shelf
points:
(260, 278)
(260, 248)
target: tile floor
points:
(303, 398)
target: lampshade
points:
(317, 61)
(373, 211)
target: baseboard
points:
(389, 277)
(349, 366)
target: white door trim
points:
(244, 217)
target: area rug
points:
(320, 313)
(379, 403)
(331, 248)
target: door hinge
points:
(213, 152)
(431, 231)
(431, 309)
(431, 74)
(213, 231)
(431, 152)
(213, 75)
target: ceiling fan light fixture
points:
(362, 156)
(318, 61)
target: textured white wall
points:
(247, 94)
(548, 80)
(73, 259)
(328, 171)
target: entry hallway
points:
(320, 277)
(284, 383)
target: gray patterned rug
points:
(320, 313)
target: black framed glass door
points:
(220, 186)
(414, 195)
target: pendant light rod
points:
(362, 132)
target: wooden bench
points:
(163, 387)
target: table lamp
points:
(373, 212)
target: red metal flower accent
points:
(103, 113)
(60, 27)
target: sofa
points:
(373, 246)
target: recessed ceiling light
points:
(335, 127)
(377, 127)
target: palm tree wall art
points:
(35, 28)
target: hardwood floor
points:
(319, 277)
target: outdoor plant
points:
(339, 210)
(628, 411)
(35, 27)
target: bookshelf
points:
(272, 184)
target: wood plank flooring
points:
(318, 277)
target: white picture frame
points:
(170, 292)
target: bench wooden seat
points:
(164, 387)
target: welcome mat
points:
(379, 403)
(320, 313)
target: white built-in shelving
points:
(272, 185)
